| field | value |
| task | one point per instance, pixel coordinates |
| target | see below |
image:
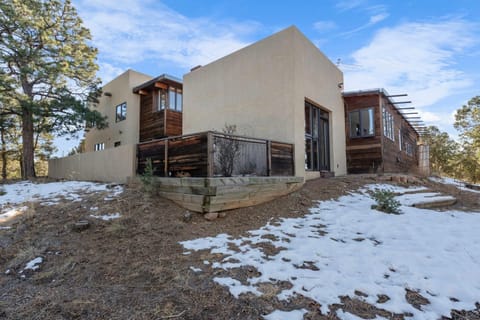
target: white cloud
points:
(345, 5)
(414, 58)
(108, 72)
(131, 31)
(324, 26)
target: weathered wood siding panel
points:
(188, 156)
(174, 123)
(282, 163)
(151, 122)
(155, 150)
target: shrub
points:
(385, 201)
(147, 177)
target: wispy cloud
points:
(416, 58)
(376, 14)
(130, 31)
(324, 26)
(345, 5)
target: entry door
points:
(317, 145)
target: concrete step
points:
(435, 202)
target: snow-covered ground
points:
(12, 203)
(343, 245)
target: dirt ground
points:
(134, 267)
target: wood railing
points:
(199, 155)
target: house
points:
(121, 106)
(380, 136)
(281, 88)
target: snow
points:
(195, 269)
(107, 217)
(434, 253)
(34, 264)
(47, 194)
(292, 315)
(459, 184)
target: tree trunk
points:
(4, 154)
(28, 164)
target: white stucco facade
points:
(262, 89)
(116, 92)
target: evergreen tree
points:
(443, 150)
(48, 68)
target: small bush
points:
(385, 201)
(147, 177)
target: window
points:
(409, 149)
(317, 147)
(175, 99)
(161, 99)
(388, 124)
(99, 146)
(121, 112)
(400, 140)
(117, 144)
(361, 123)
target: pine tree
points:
(48, 68)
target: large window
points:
(388, 125)
(121, 112)
(317, 147)
(361, 123)
(175, 99)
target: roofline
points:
(157, 79)
(386, 95)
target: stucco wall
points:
(110, 165)
(262, 90)
(126, 131)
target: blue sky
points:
(428, 49)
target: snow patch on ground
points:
(47, 194)
(343, 245)
(34, 264)
(107, 217)
(292, 315)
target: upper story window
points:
(175, 99)
(99, 146)
(362, 123)
(121, 112)
(172, 98)
(388, 125)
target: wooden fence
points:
(202, 155)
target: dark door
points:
(317, 146)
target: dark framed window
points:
(388, 124)
(362, 123)
(99, 146)
(317, 137)
(161, 99)
(121, 112)
(175, 99)
(117, 144)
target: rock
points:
(222, 214)
(210, 216)
(80, 226)
(187, 217)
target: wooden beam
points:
(368, 146)
(269, 158)
(142, 92)
(165, 167)
(161, 85)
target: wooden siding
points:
(151, 122)
(174, 123)
(157, 124)
(194, 155)
(281, 159)
(364, 154)
(379, 153)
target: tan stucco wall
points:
(110, 165)
(126, 131)
(262, 89)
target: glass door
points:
(317, 146)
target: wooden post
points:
(210, 154)
(165, 160)
(269, 158)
